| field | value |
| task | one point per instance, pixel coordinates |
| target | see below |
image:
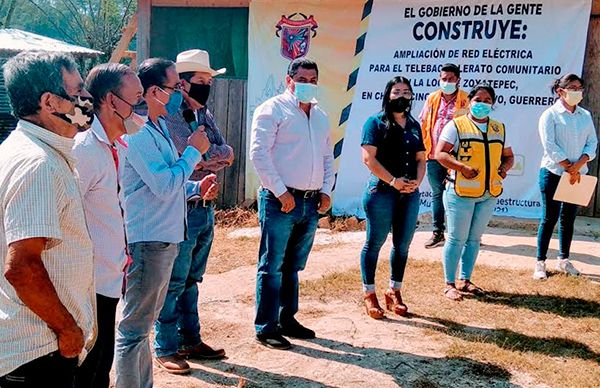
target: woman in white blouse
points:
(569, 139)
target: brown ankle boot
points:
(393, 302)
(372, 306)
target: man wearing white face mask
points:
(441, 107)
(291, 151)
(115, 89)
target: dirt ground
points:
(352, 350)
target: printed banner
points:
(516, 47)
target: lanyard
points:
(159, 130)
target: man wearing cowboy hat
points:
(178, 325)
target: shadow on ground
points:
(505, 338)
(563, 306)
(407, 370)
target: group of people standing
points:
(466, 155)
(100, 205)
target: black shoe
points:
(436, 240)
(273, 341)
(295, 330)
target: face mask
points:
(175, 99)
(400, 104)
(573, 97)
(480, 110)
(448, 87)
(200, 93)
(134, 122)
(305, 93)
(83, 114)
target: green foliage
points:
(97, 24)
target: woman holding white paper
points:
(569, 139)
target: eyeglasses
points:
(575, 89)
(178, 87)
(405, 94)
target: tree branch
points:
(57, 27)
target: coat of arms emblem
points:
(295, 34)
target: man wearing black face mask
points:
(178, 322)
(115, 88)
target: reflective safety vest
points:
(482, 151)
(434, 100)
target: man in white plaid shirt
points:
(47, 296)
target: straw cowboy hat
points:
(196, 60)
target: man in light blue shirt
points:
(155, 180)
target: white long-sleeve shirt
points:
(289, 149)
(98, 183)
(566, 135)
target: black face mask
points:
(199, 92)
(83, 116)
(400, 104)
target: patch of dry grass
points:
(230, 253)
(550, 329)
(236, 218)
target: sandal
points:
(393, 302)
(372, 306)
(470, 288)
(452, 293)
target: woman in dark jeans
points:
(569, 140)
(392, 149)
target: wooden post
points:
(128, 33)
(144, 14)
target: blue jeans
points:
(178, 324)
(436, 174)
(285, 242)
(552, 211)
(147, 284)
(467, 220)
(386, 210)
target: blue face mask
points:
(305, 93)
(174, 103)
(448, 87)
(480, 110)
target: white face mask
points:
(305, 93)
(448, 87)
(573, 97)
(133, 123)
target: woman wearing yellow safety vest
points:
(569, 139)
(475, 148)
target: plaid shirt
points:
(40, 198)
(219, 152)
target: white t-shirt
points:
(450, 133)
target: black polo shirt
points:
(397, 147)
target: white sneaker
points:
(540, 270)
(565, 266)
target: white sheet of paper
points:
(579, 193)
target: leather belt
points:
(304, 193)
